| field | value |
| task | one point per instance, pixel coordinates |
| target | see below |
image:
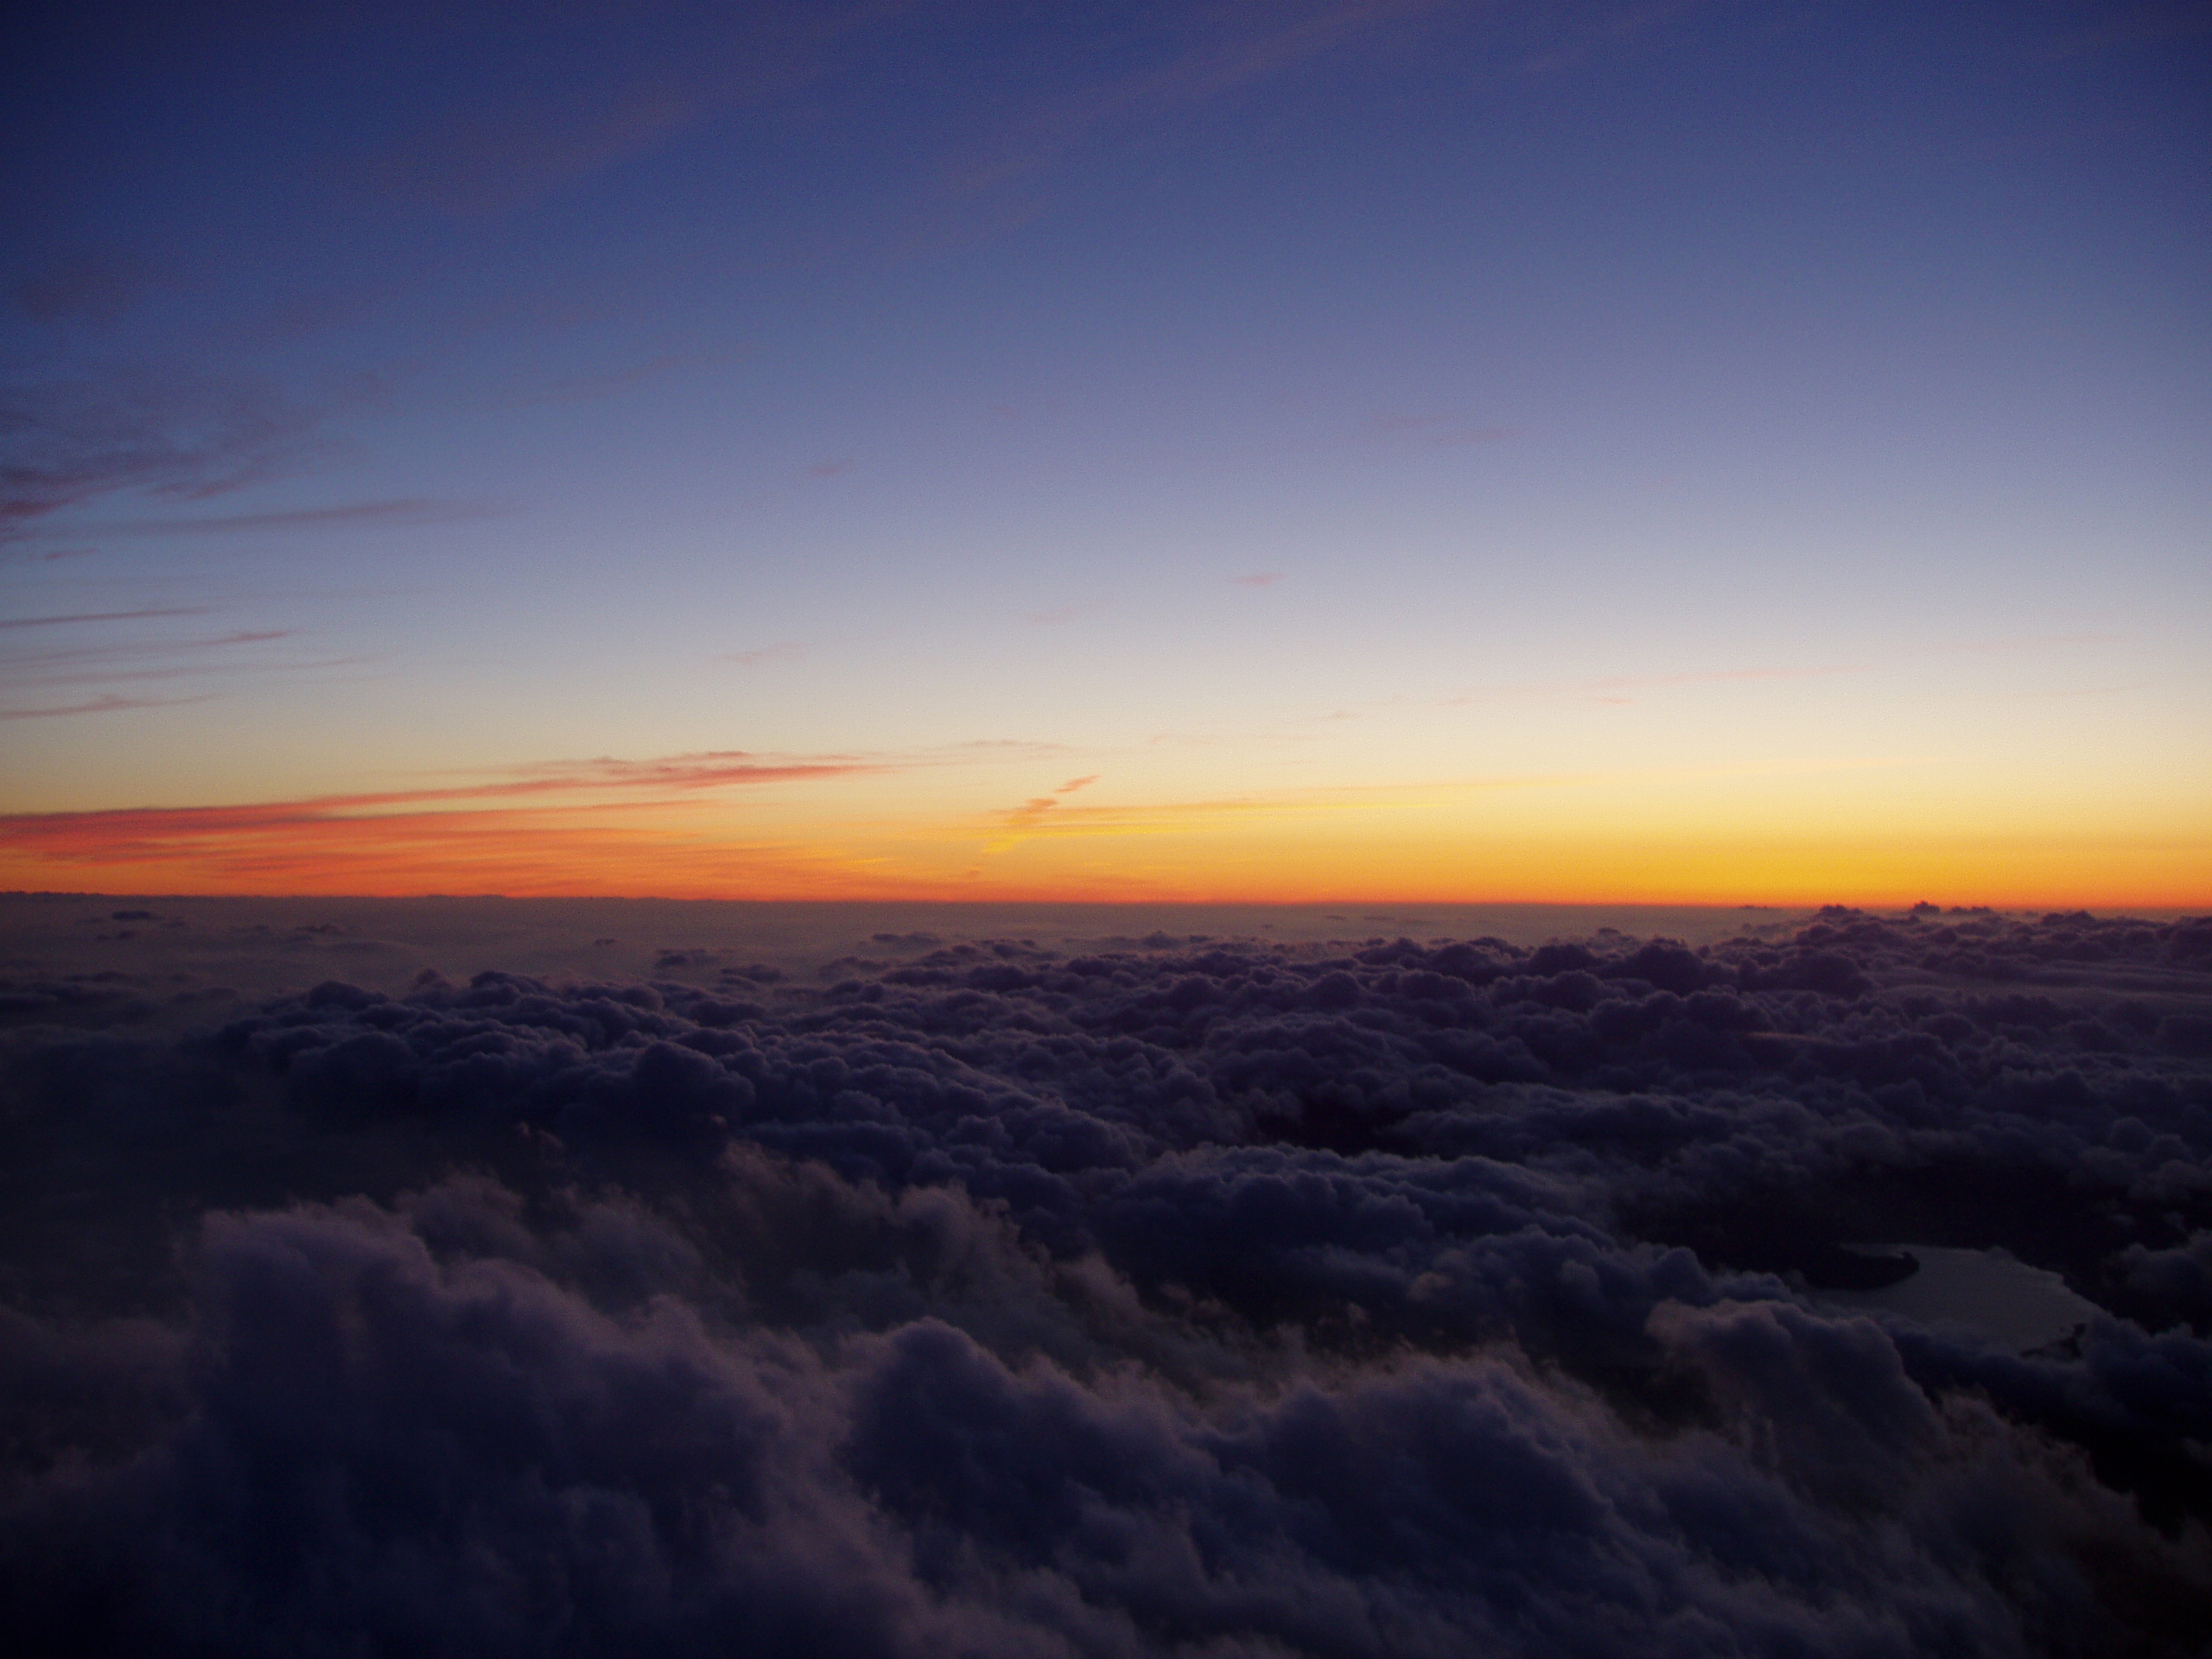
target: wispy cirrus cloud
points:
(641, 90)
(173, 435)
(1021, 819)
(1163, 817)
(102, 616)
(31, 665)
(102, 705)
(403, 512)
(204, 671)
(520, 818)
(83, 286)
(1231, 51)
(782, 651)
(211, 659)
(176, 438)
(116, 656)
(604, 775)
(707, 769)
(1046, 815)
(482, 162)
(583, 851)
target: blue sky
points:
(1773, 418)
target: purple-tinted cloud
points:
(406, 512)
(102, 616)
(178, 437)
(101, 705)
(1181, 1294)
(140, 661)
(782, 651)
(83, 287)
(491, 161)
(497, 156)
(224, 667)
(136, 649)
(1235, 51)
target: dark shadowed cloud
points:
(36, 664)
(107, 704)
(1219, 53)
(1183, 1295)
(356, 515)
(638, 89)
(83, 287)
(103, 616)
(179, 437)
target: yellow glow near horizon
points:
(1795, 836)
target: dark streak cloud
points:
(402, 513)
(83, 287)
(134, 650)
(176, 436)
(135, 829)
(103, 616)
(210, 669)
(1223, 53)
(491, 155)
(101, 705)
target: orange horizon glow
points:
(1340, 847)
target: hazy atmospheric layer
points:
(1174, 1295)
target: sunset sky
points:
(1397, 450)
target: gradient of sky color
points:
(1399, 449)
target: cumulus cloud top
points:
(1194, 1298)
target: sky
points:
(1399, 451)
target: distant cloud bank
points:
(1187, 1297)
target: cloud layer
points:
(1192, 1297)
